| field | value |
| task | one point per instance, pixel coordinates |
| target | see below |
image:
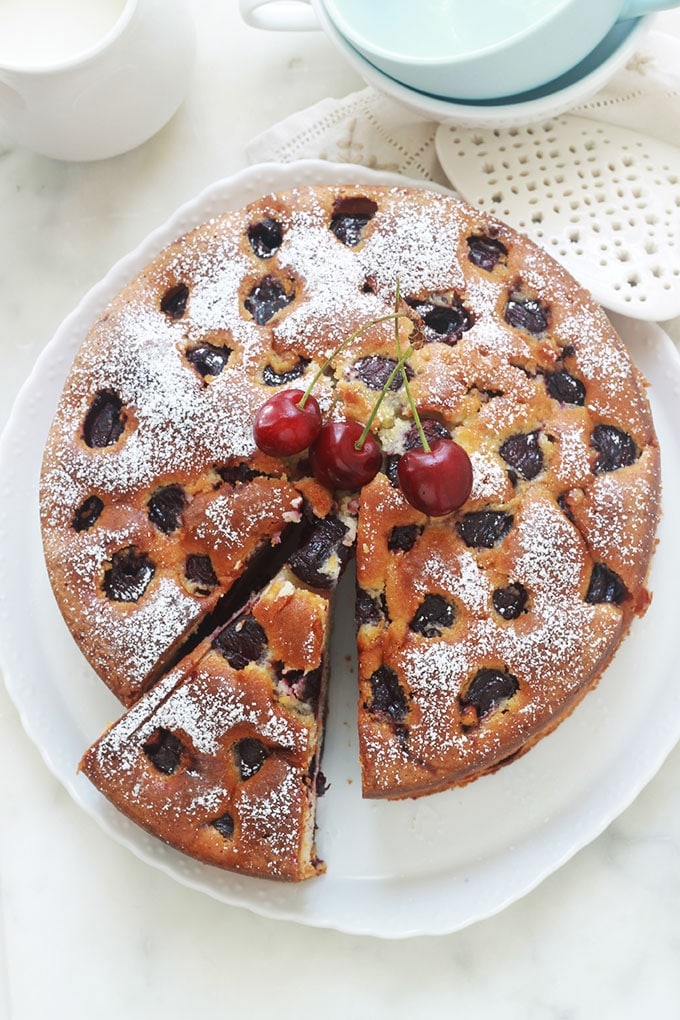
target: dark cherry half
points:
(486, 252)
(270, 377)
(250, 755)
(164, 750)
(350, 217)
(224, 825)
(128, 575)
(510, 601)
(87, 514)
(165, 508)
(432, 428)
(566, 388)
(265, 237)
(432, 616)
(387, 695)
(616, 449)
(267, 298)
(324, 544)
(367, 610)
(241, 641)
(483, 529)
(527, 314)
(375, 370)
(488, 690)
(445, 318)
(236, 473)
(199, 571)
(174, 301)
(605, 585)
(522, 452)
(403, 537)
(208, 359)
(105, 420)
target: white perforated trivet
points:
(603, 200)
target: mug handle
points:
(639, 8)
(280, 15)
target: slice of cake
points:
(136, 573)
(221, 759)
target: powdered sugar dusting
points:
(417, 245)
(559, 630)
(133, 644)
(202, 708)
(614, 518)
(206, 714)
(220, 513)
(462, 577)
(270, 814)
(182, 422)
(174, 422)
(551, 557)
(575, 453)
(117, 751)
(601, 358)
(319, 261)
(489, 477)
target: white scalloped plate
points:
(394, 869)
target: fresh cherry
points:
(438, 480)
(283, 426)
(335, 459)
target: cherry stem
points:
(399, 367)
(402, 362)
(329, 360)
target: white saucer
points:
(550, 100)
(413, 867)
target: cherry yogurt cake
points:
(438, 352)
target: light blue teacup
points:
(463, 49)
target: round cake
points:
(478, 630)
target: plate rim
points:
(115, 825)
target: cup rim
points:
(370, 49)
(83, 56)
(518, 109)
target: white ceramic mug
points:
(107, 98)
(456, 48)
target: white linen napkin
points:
(373, 130)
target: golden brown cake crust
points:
(221, 762)
(154, 499)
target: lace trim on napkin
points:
(365, 128)
(372, 130)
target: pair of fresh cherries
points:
(436, 478)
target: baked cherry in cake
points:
(490, 597)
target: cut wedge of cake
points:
(221, 758)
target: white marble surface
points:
(87, 930)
